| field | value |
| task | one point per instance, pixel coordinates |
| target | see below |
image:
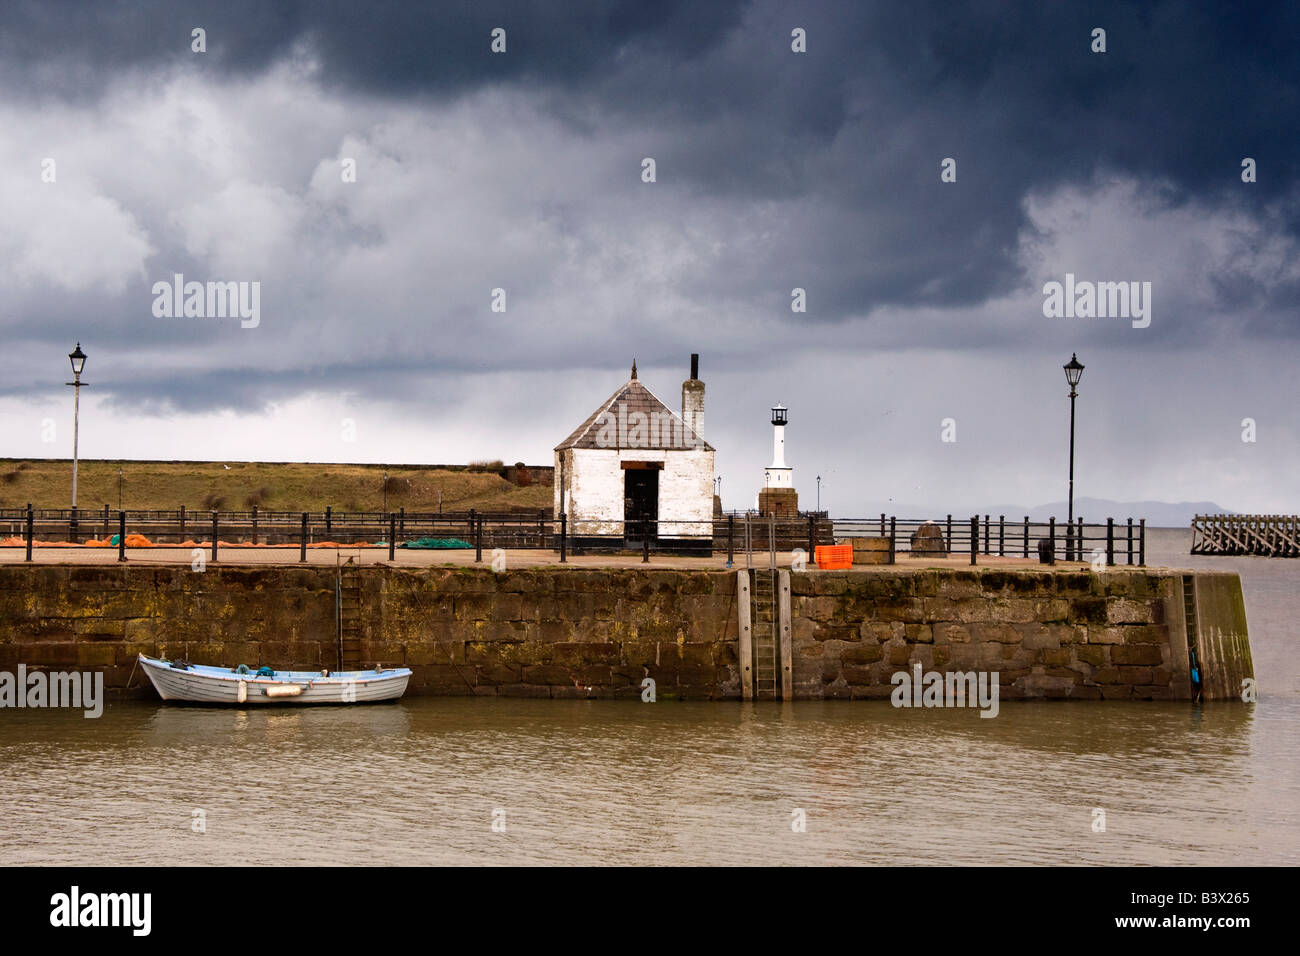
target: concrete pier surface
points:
(287, 556)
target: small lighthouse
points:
(778, 497)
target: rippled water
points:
(626, 782)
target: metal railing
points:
(732, 533)
(1114, 542)
(256, 527)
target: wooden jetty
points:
(1271, 536)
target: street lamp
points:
(1073, 372)
(78, 360)
(819, 494)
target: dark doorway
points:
(640, 506)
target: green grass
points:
(276, 486)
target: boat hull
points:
(198, 684)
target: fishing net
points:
(436, 543)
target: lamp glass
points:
(1073, 371)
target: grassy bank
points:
(280, 486)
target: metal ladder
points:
(767, 681)
(349, 616)
(1193, 641)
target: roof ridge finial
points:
(634, 370)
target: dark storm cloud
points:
(843, 143)
(395, 48)
(1012, 91)
(1180, 92)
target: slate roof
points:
(635, 397)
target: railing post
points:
(1026, 536)
(645, 541)
(1142, 542)
(812, 534)
(302, 538)
(1130, 540)
(1078, 541)
(564, 535)
(329, 520)
(30, 530)
(478, 539)
(974, 537)
(121, 536)
(891, 534)
(254, 524)
(731, 539)
(1002, 528)
(949, 547)
(1051, 534)
(72, 525)
(771, 541)
(182, 522)
(392, 537)
(882, 524)
(541, 528)
(986, 534)
(1110, 542)
(402, 519)
(214, 537)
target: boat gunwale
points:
(304, 678)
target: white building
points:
(778, 474)
(777, 496)
(635, 468)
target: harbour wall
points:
(598, 632)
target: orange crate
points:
(834, 557)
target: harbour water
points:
(496, 781)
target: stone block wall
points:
(567, 632)
(1052, 634)
(533, 633)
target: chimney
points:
(693, 400)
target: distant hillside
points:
(1159, 514)
(278, 486)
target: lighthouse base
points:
(778, 503)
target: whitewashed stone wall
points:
(594, 484)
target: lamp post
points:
(1073, 372)
(119, 489)
(819, 494)
(78, 360)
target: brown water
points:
(632, 783)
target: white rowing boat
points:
(200, 684)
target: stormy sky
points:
(774, 170)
